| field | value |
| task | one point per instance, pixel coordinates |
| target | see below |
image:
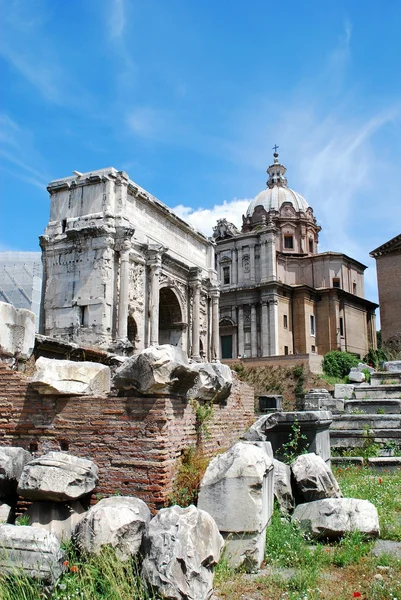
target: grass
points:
(297, 568)
(85, 577)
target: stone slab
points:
(392, 365)
(373, 405)
(387, 547)
(70, 377)
(343, 390)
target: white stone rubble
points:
(213, 382)
(17, 331)
(158, 369)
(119, 522)
(334, 517)
(12, 463)
(182, 547)
(29, 551)
(282, 486)
(237, 490)
(70, 377)
(58, 476)
(313, 478)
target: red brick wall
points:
(134, 441)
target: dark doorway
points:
(226, 346)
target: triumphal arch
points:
(123, 272)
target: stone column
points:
(241, 347)
(263, 259)
(273, 322)
(252, 259)
(254, 332)
(271, 268)
(215, 325)
(154, 298)
(123, 295)
(239, 263)
(196, 288)
(265, 328)
(234, 266)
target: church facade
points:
(279, 295)
(122, 272)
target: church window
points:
(341, 327)
(354, 288)
(336, 282)
(285, 321)
(313, 349)
(226, 275)
(285, 350)
(312, 325)
(311, 245)
(289, 242)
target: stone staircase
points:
(372, 415)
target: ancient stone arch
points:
(171, 322)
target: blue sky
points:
(189, 97)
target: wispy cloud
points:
(150, 123)
(31, 51)
(20, 159)
(116, 18)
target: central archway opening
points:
(170, 318)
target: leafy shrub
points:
(338, 364)
(375, 357)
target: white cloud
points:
(204, 219)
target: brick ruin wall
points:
(135, 441)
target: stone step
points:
(354, 438)
(385, 378)
(364, 421)
(378, 391)
(373, 406)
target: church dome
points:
(277, 192)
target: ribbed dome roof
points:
(277, 191)
(273, 198)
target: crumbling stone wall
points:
(135, 441)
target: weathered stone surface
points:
(58, 476)
(58, 518)
(213, 382)
(278, 428)
(6, 513)
(343, 390)
(313, 478)
(12, 462)
(119, 522)
(334, 517)
(17, 331)
(316, 399)
(363, 366)
(31, 551)
(282, 486)
(155, 370)
(70, 377)
(237, 490)
(231, 489)
(387, 547)
(392, 365)
(356, 376)
(181, 548)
